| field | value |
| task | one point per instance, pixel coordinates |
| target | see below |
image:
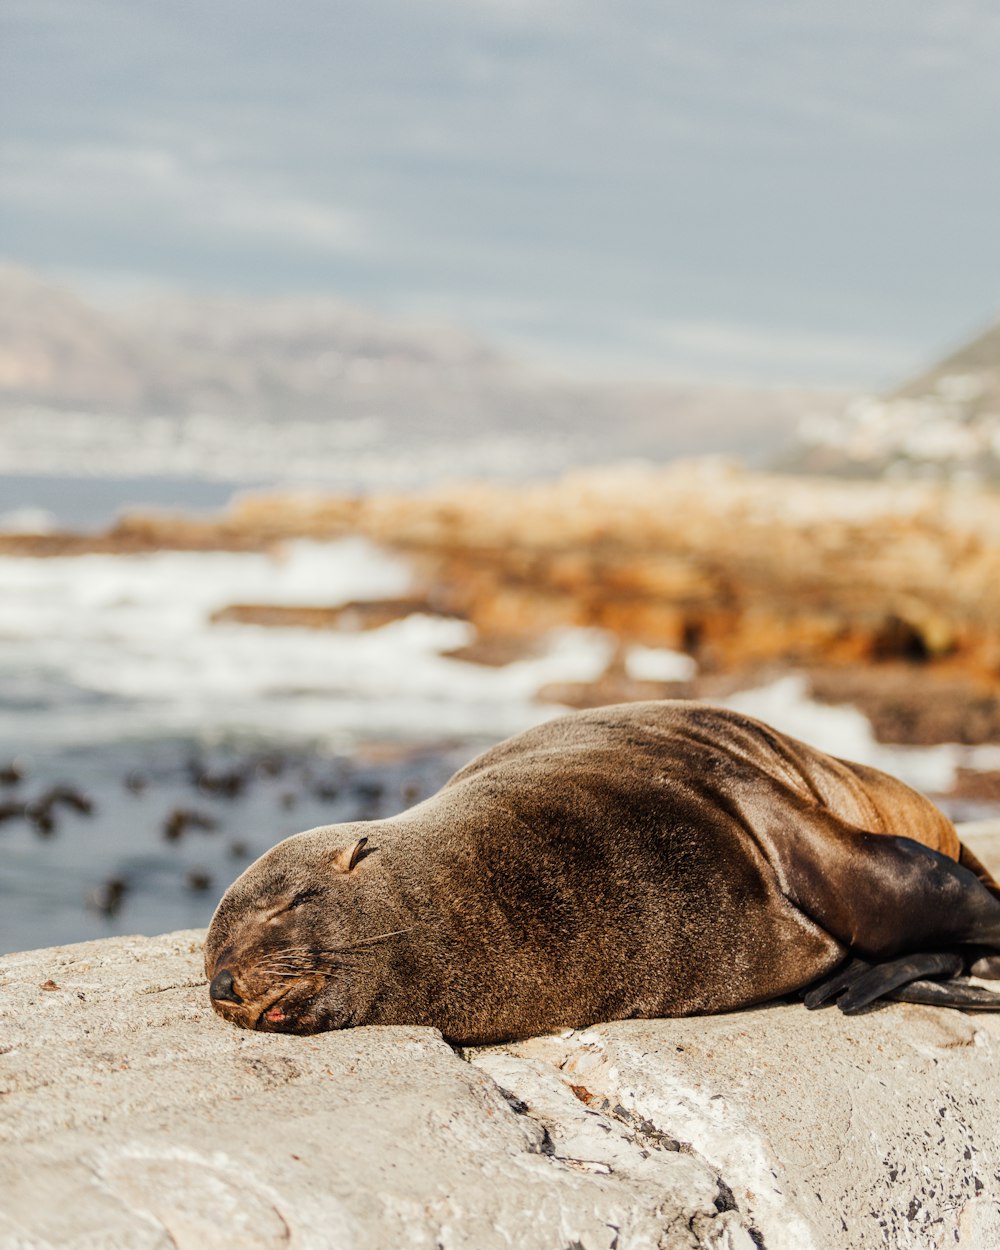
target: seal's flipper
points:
(902, 896)
(859, 982)
(881, 980)
(833, 985)
(957, 993)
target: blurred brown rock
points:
(348, 616)
(739, 569)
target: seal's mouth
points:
(294, 1008)
(304, 1009)
(274, 1014)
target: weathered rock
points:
(354, 616)
(827, 1131)
(134, 1117)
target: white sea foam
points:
(658, 664)
(27, 521)
(110, 646)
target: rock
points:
(353, 617)
(134, 1117)
(136, 782)
(11, 774)
(937, 707)
(107, 898)
(228, 783)
(826, 1131)
(66, 796)
(181, 819)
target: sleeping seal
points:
(648, 859)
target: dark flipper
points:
(835, 984)
(902, 896)
(948, 994)
(859, 982)
(878, 894)
(881, 980)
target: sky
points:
(733, 191)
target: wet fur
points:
(651, 859)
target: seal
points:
(642, 860)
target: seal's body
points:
(649, 859)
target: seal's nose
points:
(221, 989)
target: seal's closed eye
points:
(304, 896)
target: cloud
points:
(596, 343)
(750, 352)
(120, 182)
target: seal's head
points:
(287, 950)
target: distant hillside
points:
(311, 388)
(944, 423)
(978, 363)
(185, 354)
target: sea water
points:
(37, 502)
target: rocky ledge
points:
(133, 1117)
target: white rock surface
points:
(131, 1116)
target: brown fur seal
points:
(649, 859)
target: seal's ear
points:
(345, 860)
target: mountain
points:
(944, 423)
(305, 388)
(184, 354)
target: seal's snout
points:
(221, 989)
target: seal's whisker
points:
(305, 972)
(285, 958)
(290, 966)
(302, 960)
(368, 941)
